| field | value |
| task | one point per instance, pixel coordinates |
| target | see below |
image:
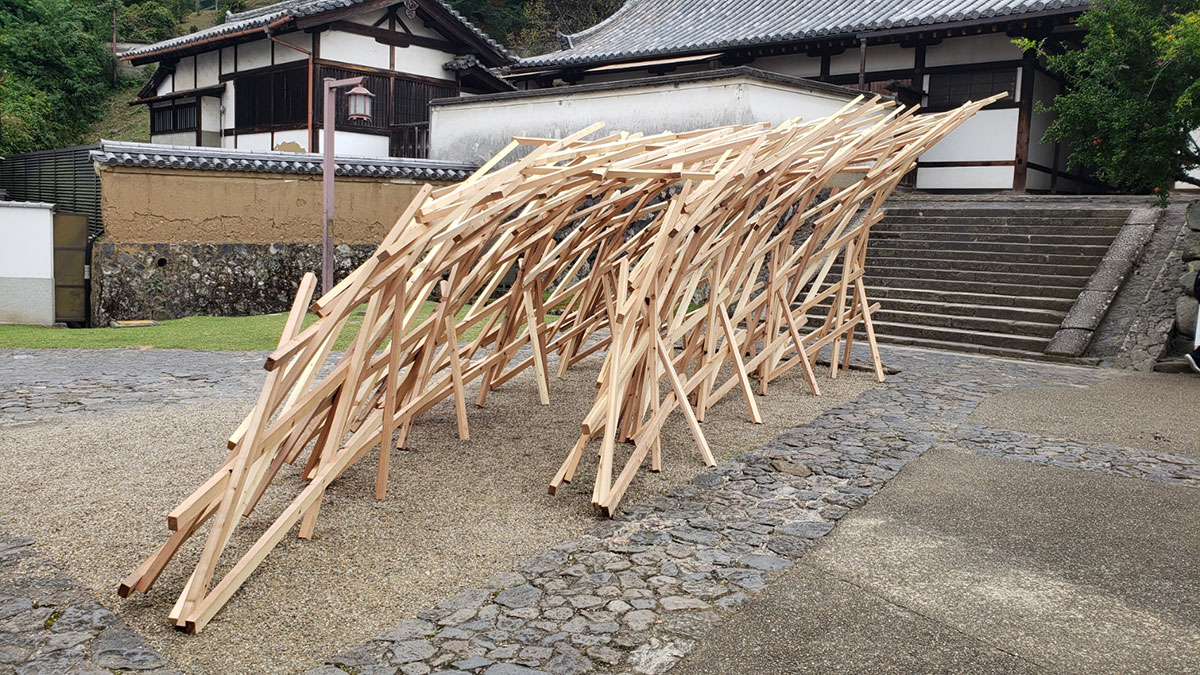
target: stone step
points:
(901, 270)
(1104, 225)
(1011, 267)
(997, 237)
(972, 348)
(962, 336)
(1001, 211)
(886, 294)
(987, 246)
(989, 287)
(1019, 314)
(880, 252)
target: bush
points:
(146, 22)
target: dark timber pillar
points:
(1024, 118)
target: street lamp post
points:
(359, 103)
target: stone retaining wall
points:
(169, 281)
(1187, 304)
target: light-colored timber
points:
(692, 259)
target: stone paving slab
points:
(50, 624)
(41, 384)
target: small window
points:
(172, 116)
(947, 90)
(277, 98)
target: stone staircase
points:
(985, 277)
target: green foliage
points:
(531, 26)
(1132, 93)
(146, 22)
(55, 72)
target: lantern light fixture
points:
(359, 103)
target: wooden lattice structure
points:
(694, 260)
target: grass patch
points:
(204, 333)
(121, 121)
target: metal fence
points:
(64, 177)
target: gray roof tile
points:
(659, 27)
(116, 153)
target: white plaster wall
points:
(184, 77)
(423, 61)
(351, 144)
(776, 103)
(210, 113)
(965, 178)
(796, 65)
(178, 138)
(226, 60)
(971, 49)
(369, 18)
(260, 141)
(286, 54)
(166, 86)
(350, 48)
(254, 54)
(208, 69)
(989, 135)
(26, 265)
(879, 57)
(473, 132)
(294, 135)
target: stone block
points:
(1185, 315)
(1069, 342)
(1193, 215)
(1191, 246)
(1089, 309)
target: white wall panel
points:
(351, 144)
(255, 54)
(166, 86)
(26, 265)
(425, 61)
(208, 69)
(796, 65)
(299, 136)
(226, 60)
(350, 48)
(210, 113)
(286, 54)
(184, 77)
(988, 136)
(178, 138)
(879, 57)
(965, 178)
(254, 141)
(972, 49)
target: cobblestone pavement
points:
(49, 624)
(633, 595)
(636, 594)
(1163, 467)
(40, 384)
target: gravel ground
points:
(1147, 411)
(93, 490)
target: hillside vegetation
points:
(57, 74)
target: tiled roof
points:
(657, 27)
(115, 153)
(289, 9)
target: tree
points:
(1132, 93)
(56, 67)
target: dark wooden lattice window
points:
(410, 99)
(947, 90)
(172, 116)
(277, 98)
(376, 84)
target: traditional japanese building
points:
(939, 53)
(254, 82)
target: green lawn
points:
(206, 333)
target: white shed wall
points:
(27, 265)
(473, 132)
(972, 49)
(990, 135)
(351, 48)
